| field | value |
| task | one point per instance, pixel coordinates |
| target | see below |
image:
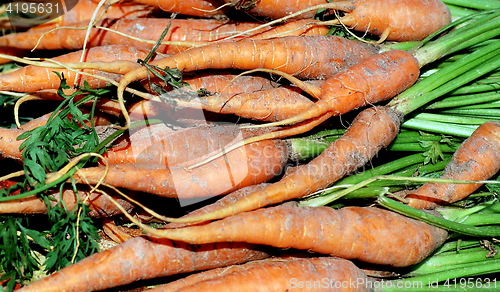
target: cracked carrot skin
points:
(139, 259)
(478, 158)
(276, 274)
(368, 234)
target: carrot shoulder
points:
(368, 234)
(138, 259)
(478, 158)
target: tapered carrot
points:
(371, 81)
(186, 32)
(373, 129)
(140, 258)
(33, 78)
(84, 10)
(159, 144)
(395, 20)
(252, 164)
(277, 274)
(367, 234)
(200, 8)
(478, 158)
(99, 205)
(266, 105)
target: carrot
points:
(368, 234)
(252, 164)
(140, 258)
(394, 20)
(84, 10)
(99, 205)
(277, 274)
(185, 32)
(373, 80)
(200, 8)
(266, 105)
(159, 144)
(34, 78)
(478, 158)
(373, 129)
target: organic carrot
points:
(478, 158)
(184, 32)
(99, 205)
(159, 144)
(252, 164)
(371, 81)
(33, 78)
(139, 259)
(394, 20)
(373, 129)
(84, 10)
(200, 8)
(368, 234)
(277, 274)
(266, 105)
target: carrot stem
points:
(476, 4)
(439, 127)
(465, 100)
(482, 231)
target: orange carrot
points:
(99, 205)
(255, 163)
(373, 129)
(395, 20)
(478, 158)
(138, 259)
(371, 81)
(33, 78)
(277, 274)
(200, 8)
(84, 9)
(310, 60)
(159, 144)
(267, 105)
(368, 234)
(197, 31)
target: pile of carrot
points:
(192, 108)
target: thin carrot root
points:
(282, 274)
(139, 258)
(478, 158)
(360, 233)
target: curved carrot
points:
(368, 234)
(276, 274)
(255, 163)
(138, 259)
(371, 81)
(394, 20)
(478, 158)
(33, 78)
(373, 129)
